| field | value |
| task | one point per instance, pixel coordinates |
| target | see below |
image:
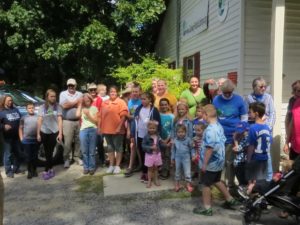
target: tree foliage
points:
(44, 42)
(147, 70)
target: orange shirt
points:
(111, 113)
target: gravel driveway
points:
(58, 202)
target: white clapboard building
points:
(238, 39)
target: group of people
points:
(206, 131)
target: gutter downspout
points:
(178, 21)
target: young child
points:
(143, 114)
(260, 140)
(240, 146)
(133, 103)
(182, 152)
(167, 119)
(212, 162)
(28, 137)
(183, 118)
(199, 117)
(197, 141)
(151, 146)
(101, 91)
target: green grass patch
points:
(90, 184)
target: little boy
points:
(27, 134)
(167, 119)
(240, 147)
(101, 91)
(199, 117)
(260, 140)
(212, 162)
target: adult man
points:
(69, 100)
(162, 92)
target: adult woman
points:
(9, 126)
(259, 95)
(112, 126)
(162, 92)
(231, 110)
(88, 132)
(49, 129)
(193, 96)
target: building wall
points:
(219, 45)
(291, 55)
(257, 35)
(166, 44)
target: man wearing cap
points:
(69, 100)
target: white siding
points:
(219, 45)
(166, 44)
(258, 17)
(291, 57)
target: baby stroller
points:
(273, 195)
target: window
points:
(191, 66)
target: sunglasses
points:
(93, 89)
(261, 87)
(71, 85)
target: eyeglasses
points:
(71, 85)
(263, 86)
(93, 89)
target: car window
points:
(18, 99)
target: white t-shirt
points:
(144, 117)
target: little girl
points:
(182, 152)
(197, 141)
(88, 132)
(151, 146)
(182, 118)
(143, 114)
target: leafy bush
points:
(149, 69)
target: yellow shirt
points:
(172, 99)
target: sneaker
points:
(128, 172)
(45, 175)
(10, 174)
(92, 172)
(117, 170)
(51, 173)
(67, 164)
(110, 169)
(144, 178)
(204, 212)
(230, 204)
(243, 192)
(85, 172)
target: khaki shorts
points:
(114, 142)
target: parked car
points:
(20, 98)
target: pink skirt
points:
(153, 159)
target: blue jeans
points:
(183, 161)
(11, 157)
(88, 142)
(269, 168)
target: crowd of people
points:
(205, 132)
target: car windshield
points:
(18, 98)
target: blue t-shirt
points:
(260, 137)
(133, 104)
(229, 113)
(214, 138)
(166, 125)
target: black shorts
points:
(209, 178)
(256, 170)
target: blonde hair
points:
(210, 111)
(183, 103)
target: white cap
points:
(71, 81)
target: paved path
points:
(58, 202)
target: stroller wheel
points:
(252, 215)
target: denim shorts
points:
(114, 142)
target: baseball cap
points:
(71, 81)
(241, 127)
(92, 86)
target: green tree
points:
(149, 69)
(44, 42)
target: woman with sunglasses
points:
(259, 94)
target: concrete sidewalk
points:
(119, 185)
